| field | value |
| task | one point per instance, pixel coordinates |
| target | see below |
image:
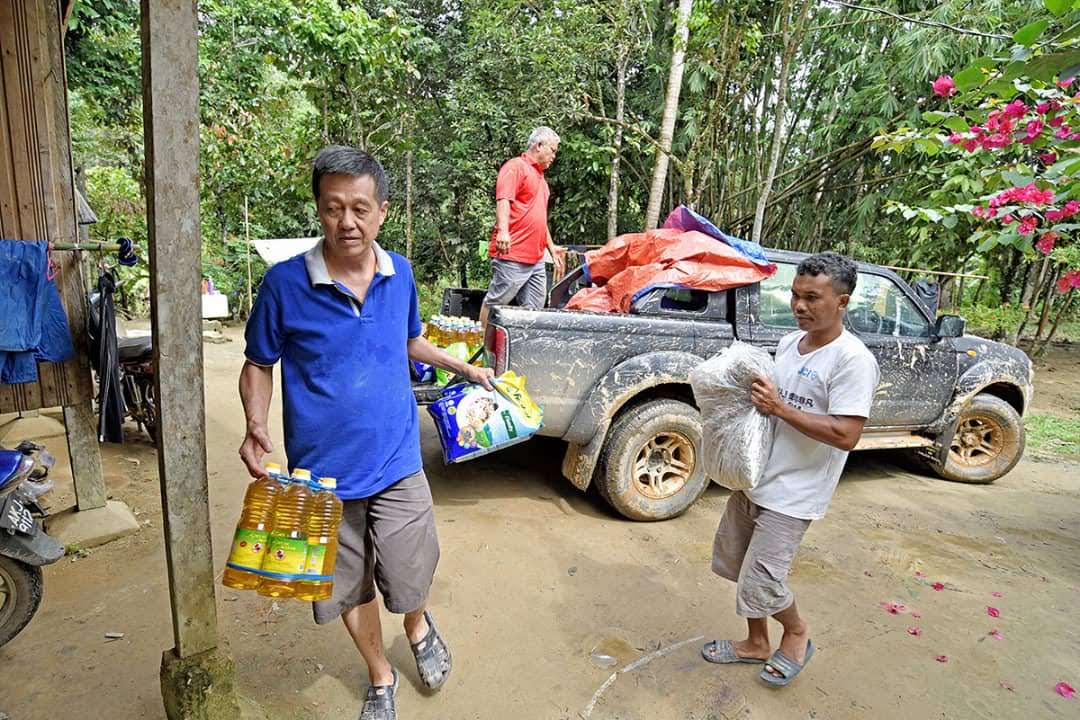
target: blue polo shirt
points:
(347, 397)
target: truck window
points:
(684, 299)
(776, 297)
(879, 307)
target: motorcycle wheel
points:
(20, 595)
(149, 409)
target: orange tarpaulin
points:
(633, 263)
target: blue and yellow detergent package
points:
(473, 421)
(422, 372)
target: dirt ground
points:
(545, 596)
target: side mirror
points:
(950, 326)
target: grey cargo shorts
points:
(754, 547)
(389, 541)
(517, 283)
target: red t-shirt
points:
(521, 181)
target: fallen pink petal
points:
(1008, 686)
(916, 615)
(996, 635)
(893, 608)
(1065, 690)
(996, 594)
(942, 658)
(920, 573)
(993, 611)
(938, 586)
(867, 573)
(914, 630)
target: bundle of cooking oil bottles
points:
(286, 540)
(444, 331)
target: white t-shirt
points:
(837, 379)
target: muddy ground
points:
(538, 583)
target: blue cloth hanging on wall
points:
(33, 325)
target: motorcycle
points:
(24, 545)
(135, 357)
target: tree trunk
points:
(620, 109)
(1048, 302)
(671, 110)
(791, 38)
(1062, 312)
(408, 206)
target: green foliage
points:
(1053, 434)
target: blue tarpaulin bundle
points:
(33, 325)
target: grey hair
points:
(541, 134)
(345, 160)
(839, 269)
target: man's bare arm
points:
(839, 431)
(256, 389)
(502, 225)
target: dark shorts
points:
(517, 283)
(754, 547)
(386, 541)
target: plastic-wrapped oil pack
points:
(736, 438)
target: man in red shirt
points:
(521, 231)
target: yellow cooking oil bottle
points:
(252, 531)
(322, 537)
(286, 552)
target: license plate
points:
(14, 515)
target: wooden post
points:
(247, 240)
(171, 133)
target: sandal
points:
(723, 652)
(787, 667)
(432, 657)
(380, 701)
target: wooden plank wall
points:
(36, 192)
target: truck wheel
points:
(651, 467)
(20, 595)
(988, 443)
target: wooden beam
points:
(171, 133)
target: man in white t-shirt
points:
(825, 383)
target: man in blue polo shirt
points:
(343, 319)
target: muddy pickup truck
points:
(615, 386)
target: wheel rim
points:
(663, 465)
(979, 440)
(8, 595)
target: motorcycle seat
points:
(136, 349)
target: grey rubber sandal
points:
(787, 667)
(722, 652)
(432, 655)
(380, 702)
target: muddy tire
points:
(20, 595)
(989, 441)
(651, 464)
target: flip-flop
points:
(787, 667)
(380, 702)
(722, 652)
(432, 655)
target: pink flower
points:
(1008, 220)
(1034, 128)
(993, 611)
(942, 658)
(914, 630)
(1042, 108)
(938, 586)
(955, 138)
(1062, 133)
(970, 145)
(1045, 245)
(1057, 120)
(977, 129)
(1065, 82)
(996, 141)
(944, 86)
(996, 635)
(996, 594)
(1048, 158)
(893, 608)
(1064, 283)
(1065, 690)
(1027, 227)
(1015, 109)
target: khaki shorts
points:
(387, 540)
(754, 547)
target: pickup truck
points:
(615, 387)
